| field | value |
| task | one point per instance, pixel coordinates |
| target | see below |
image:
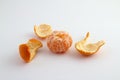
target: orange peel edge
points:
(88, 49)
(28, 51)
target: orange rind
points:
(88, 49)
(59, 41)
(43, 30)
(28, 50)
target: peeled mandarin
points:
(59, 41)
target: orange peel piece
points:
(43, 30)
(88, 49)
(28, 50)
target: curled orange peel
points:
(88, 49)
(28, 50)
(43, 30)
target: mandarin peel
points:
(90, 48)
(28, 50)
(43, 30)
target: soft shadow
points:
(73, 53)
(15, 60)
(33, 35)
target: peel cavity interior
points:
(88, 49)
(28, 50)
(43, 30)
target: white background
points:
(100, 17)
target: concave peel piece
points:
(88, 49)
(43, 30)
(28, 50)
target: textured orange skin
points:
(59, 42)
(25, 49)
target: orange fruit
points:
(43, 30)
(59, 41)
(28, 50)
(88, 49)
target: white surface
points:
(100, 17)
